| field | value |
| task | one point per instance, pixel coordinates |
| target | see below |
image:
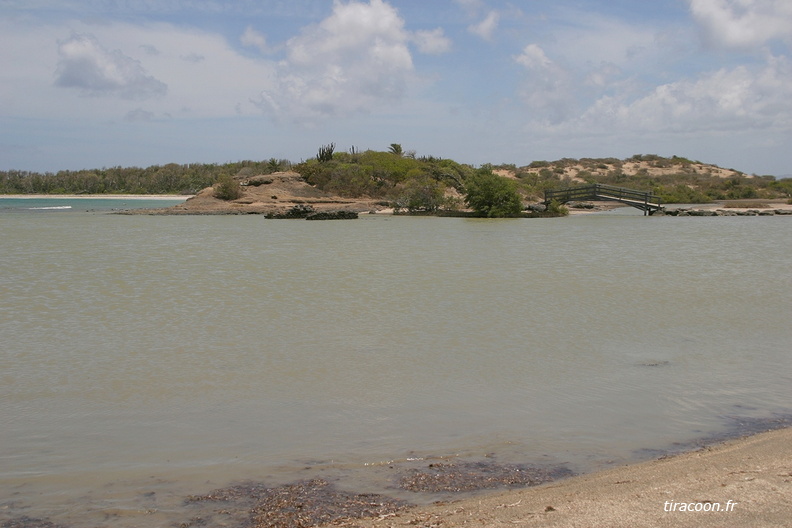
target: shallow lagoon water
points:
(174, 355)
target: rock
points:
(538, 208)
(298, 211)
(255, 181)
(333, 215)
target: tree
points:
(396, 149)
(491, 195)
(421, 193)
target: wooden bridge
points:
(645, 201)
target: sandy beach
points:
(749, 480)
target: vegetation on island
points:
(227, 188)
(420, 184)
(491, 195)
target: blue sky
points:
(92, 83)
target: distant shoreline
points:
(100, 196)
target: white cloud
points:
(164, 69)
(548, 92)
(432, 42)
(603, 76)
(588, 40)
(193, 57)
(744, 23)
(87, 65)
(356, 60)
(533, 57)
(728, 99)
(254, 39)
(590, 57)
(486, 27)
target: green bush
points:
(227, 188)
(491, 195)
(555, 208)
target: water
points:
(174, 355)
(38, 204)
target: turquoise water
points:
(54, 204)
(174, 355)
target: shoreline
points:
(98, 196)
(751, 474)
(727, 206)
(749, 478)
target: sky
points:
(102, 83)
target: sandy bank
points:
(754, 473)
(722, 205)
(265, 194)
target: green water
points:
(178, 354)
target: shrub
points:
(555, 208)
(491, 195)
(227, 188)
(422, 193)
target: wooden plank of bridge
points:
(637, 199)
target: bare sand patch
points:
(754, 473)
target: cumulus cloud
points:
(744, 23)
(739, 98)
(533, 57)
(432, 42)
(486, 27)
(87, 65)
(354, 61)
(548, 92)
(254, 39)
(603, 76)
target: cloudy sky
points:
(92, 83)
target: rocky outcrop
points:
(723, 212)
(277, 195)
(333, 215)
(307, 212)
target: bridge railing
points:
(627, 194)
(566, 195)
(599, 190)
